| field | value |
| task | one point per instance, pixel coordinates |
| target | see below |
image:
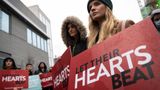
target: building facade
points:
(46, 21)
(22, 35)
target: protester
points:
(29, 67)
(155, 16)
(102, 23)
(9, 64)
(74, 34)
(42, 68)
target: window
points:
(48, 28)
(42, 43)
(4, 21)
(42, 18)
(45, 45)
(34, 39)
(38, 42)
(29, 36)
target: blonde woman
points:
(102, 23)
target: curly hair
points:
(67, 39)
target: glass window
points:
(42, 18)
(42, 43)
(45, 45)
(34, 38)
(4, 21)
(38, 41)
(48, 28)
(29, 36)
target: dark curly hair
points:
(13, 63)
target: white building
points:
(45, 20)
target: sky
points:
(58, 10)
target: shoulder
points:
(123, 24)
(128, 23)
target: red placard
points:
(130, 60)
(60, 71)
(10, 79)
(46, 79)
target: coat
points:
(77, 46)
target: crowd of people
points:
(102, 25)
(9, 64)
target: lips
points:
(71, 32)
(94, 13)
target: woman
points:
(74, 35)
(9, 64)
(102, 23)
(42, 68)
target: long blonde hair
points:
(104, 31)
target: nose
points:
(92, 9)
(70, 29)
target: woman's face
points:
(72, 30)
(42, 65)
(9, 63)
(97, 10)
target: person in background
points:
(155, 16)
(102, 23)
(29, 67)
(74, 34)
(42, 68)
(9, 64)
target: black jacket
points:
(79, 47)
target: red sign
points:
(130, 60)
(10, 79)
(60, 71)
(46, 79)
